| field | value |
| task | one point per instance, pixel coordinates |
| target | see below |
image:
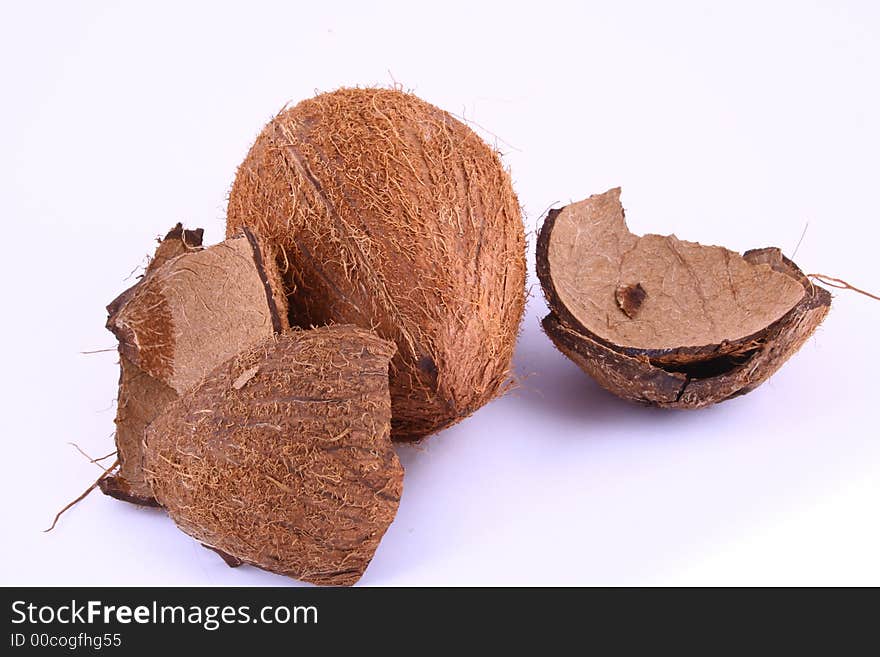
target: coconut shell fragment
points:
(140, 399)
(140, 396)
(282, 457)
(665, 322)
(199, 309)
(392, 215)
(193, 309)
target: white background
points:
(732, 125)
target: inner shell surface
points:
(695, 295)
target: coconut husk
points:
(281, 457)
(140, 396)
(199, 309)
(193, 309)
(177, 241)
(392, 215)
(666, 322)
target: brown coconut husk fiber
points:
(193, 309)
(282, 458)
(140, 399)
(392, 215)
(666, 322)
(140, 396)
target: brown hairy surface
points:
(177, 241)
(193, 309)
(199, 309)
(282, 458)
(394, 216)
(140, 396)
(665, 322)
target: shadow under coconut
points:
(454, 476)
(555, 386)
(441, 475)
(459, 482)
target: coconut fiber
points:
(193, 309)
(666, 322)
(392, 215)
(282, 458)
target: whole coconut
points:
(392, 215)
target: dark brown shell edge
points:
(649, 376)
(228, 559)
(115, 485)
(272, 283)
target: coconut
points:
(392, 215)
(282, 458)
(140, 399)
(193, 309)
(140, 396)
(666, 322)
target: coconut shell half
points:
(282, 457)
(665, 322)
(193, 309)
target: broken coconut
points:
(392, 215)
(282, 458)
(193, 309)
(665, 322)
(140, 396)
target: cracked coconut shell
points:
(282, 458)
(665, 322)
(392, 215)
(193, 309)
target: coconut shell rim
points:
(674, 355)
